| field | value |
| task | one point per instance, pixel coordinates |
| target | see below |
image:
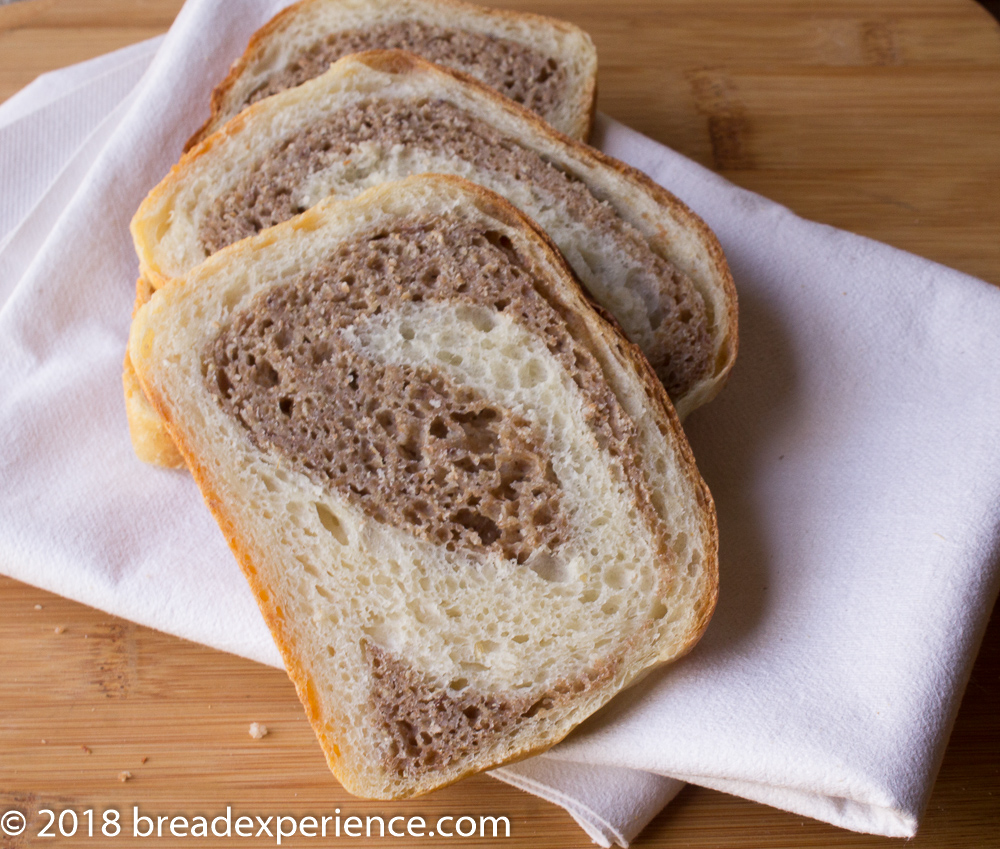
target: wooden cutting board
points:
(877, 116)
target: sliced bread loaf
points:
(640, 252)
(547, 65)
(463, 500)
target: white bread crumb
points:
(124, 775)
(258, 730)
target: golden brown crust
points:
(151, 441)
(260, 39)
(602, 332)
(143, 292)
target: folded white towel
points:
(854, 457)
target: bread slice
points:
(547, 65)
(462, 499)
(642, 254)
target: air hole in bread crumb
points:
(331, 523)
(265, 375)
(615, 578)
(438, 428)
(547, 567)
(532, 373)
(231, 296)
(484, 647)
(483, 526)
(222, 381)
(540, 705)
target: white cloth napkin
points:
(854, 457)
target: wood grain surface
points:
(881, 117)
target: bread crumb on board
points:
(258, 730)
(124, 775)
(59, 629)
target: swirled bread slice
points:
(547, 65)
(642, 254)
(462, 499)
